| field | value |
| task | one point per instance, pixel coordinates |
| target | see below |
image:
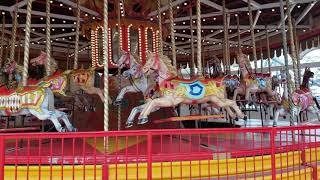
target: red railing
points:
(286, 152)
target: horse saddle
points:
(302, 91)
(262, 75)
(5, 91)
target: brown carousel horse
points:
(251, 82)
(302, 99)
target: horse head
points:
(124, 59)
(152, 64)
(41, 60)
(307, 77)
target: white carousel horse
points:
(302, 99)
(37, 101)
(175, 91)
(139, 83)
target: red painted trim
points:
(124, 32)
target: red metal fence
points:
(259, 153)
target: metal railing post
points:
(149, 155)
(273, 158)
(2, 157)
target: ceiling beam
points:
(20, 4)
(213, 34)
(179, 48)
(212, 4)
(187, 18)
(247, 27)
(194, 37)
(305, 12)
(256, 18)
(271, 5)
(166, 7)
(43, 25)
(74, 5)
(43, 14)
(253, 3)
(55, 36)
(52, 15)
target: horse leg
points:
(235, 94)
(247, 95)
(279, 112)
(314, 110)
(93, 90)
(133, 114)
(64, 117)
(123, 91)
(51, 115)
(167, 101)
(227, 103)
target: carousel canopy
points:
(266, 17)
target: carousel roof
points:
(266, 15)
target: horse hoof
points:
(62, 129)
(143, 121)
(129, 124)
(74, 130)
(236, 119)
(245, 118)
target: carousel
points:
(137, 89)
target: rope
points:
(239, 37)
(297, 49)
(261, 55)
(19, 45)
(105, 63)
(227, 41)
(2, 38)
(225, 31)
(26, 45)
(14, 33)
(199, 67)
(119, 70)
(252, 36)
(293, 47)
(268, 49)
(160, 28)
(173, 42)
(76, 49)
(48, 40)
(192, 70)
(285, 48)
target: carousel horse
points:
(231, 82)
(252, 83)
(78, 79)
(139, 83)
(174, 91)
(35, 100)
(302, 99)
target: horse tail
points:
(316, 101)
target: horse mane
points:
(244, 59)
(136, 58)
(167, 61)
